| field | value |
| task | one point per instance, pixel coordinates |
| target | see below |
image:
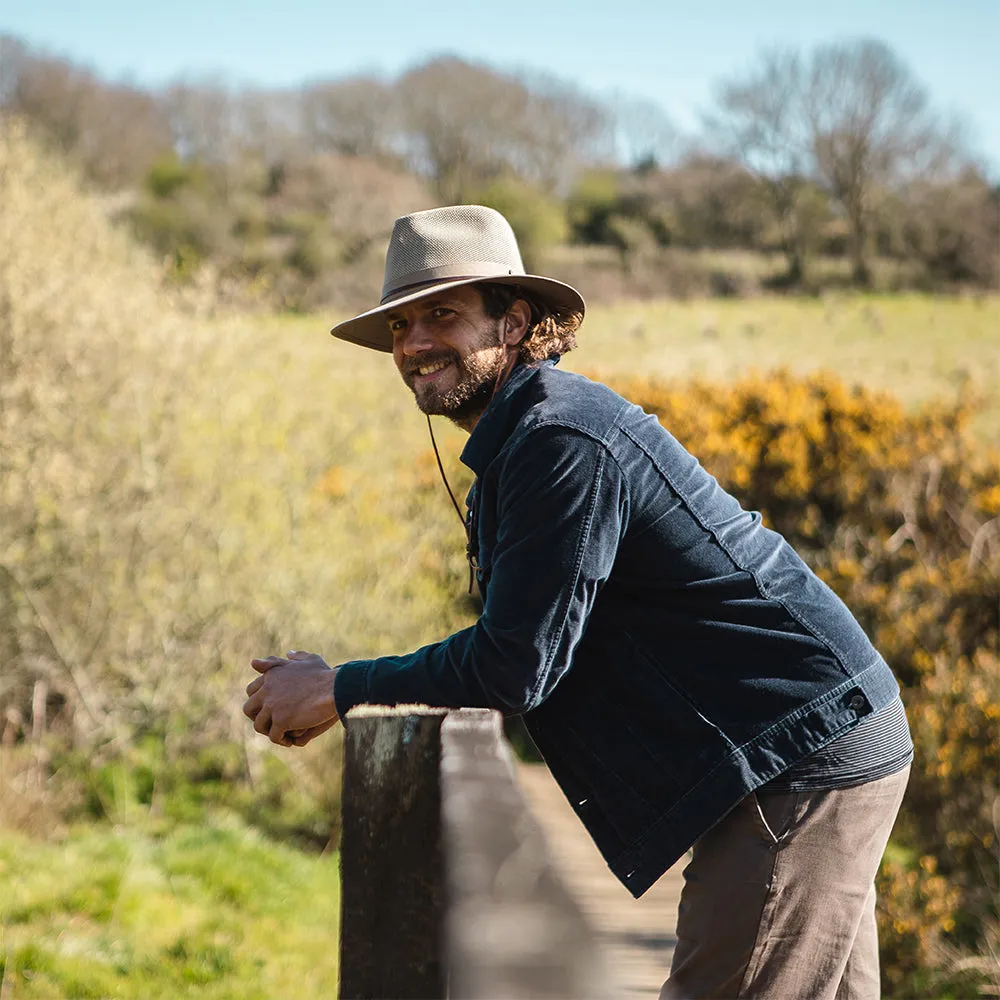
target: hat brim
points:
(370, 328)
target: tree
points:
(953, 228)
(538, 220)
(201, 119)
(114, 130)
(762, 121)
(870, 125)
(703, 202)
(266, 125)
(644, 136)
(467, 125)
(356, 116)
(13, 54)
(567, 131)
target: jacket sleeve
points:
(562, 509)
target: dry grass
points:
(918, 347)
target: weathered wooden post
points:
(513, 929)
(447, 887)
(391, 855)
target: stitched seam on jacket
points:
(581, 547)
(810, 627)
(640, 842)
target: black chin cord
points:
(444, 478)
(502, 375)
(470, 552)
(470, 548)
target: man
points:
(687, 678)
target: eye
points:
(440, 312)
(395, 325)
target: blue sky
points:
(669, 52)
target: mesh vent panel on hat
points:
(442, 236)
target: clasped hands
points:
(291, 702)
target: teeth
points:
(430, 369)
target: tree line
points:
(836, 151)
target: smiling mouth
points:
(431, 368)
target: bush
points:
(110, 576)
(538, 221)
(897, 512)
(169, 175)
(591, 204)
(160, 526)
(180, 229)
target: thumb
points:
(262, 666)
(298, 654)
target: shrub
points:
(151, 465)
(537, 219)
(110, 577)
(168, 175)
(591, 204)
(180, 228)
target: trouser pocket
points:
(773, 813)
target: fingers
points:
(300, 737)
(262, 666)
(256, 707)
(265, 663)
(262, 721)
(252, 706)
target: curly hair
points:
(551, 332)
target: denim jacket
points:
(668, 652)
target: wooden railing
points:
(448, 889)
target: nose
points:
(415, 339)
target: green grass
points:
(214, 912)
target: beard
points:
(469, 388)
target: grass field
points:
(212, 912)
(915, 346)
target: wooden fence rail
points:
(447, 885)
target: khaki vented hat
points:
(443, 248)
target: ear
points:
(516, 322)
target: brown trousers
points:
(779, 898)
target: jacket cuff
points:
(350, 687)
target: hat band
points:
(465, 269)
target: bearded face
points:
(449, 353)
(449, 383)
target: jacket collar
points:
(498, 419)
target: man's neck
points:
(467, 421)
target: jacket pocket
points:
(625, 789)
(666, 721)
(634, 738)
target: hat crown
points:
(460, 241)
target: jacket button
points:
(858, 702)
